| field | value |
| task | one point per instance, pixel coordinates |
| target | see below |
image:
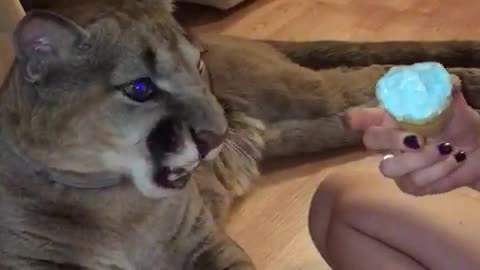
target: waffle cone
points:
(429, 126)
(434, 124)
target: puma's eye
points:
(139, 90)
(201, 66)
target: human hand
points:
(419, 165)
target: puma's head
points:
(112, 90)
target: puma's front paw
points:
(225, 255)
(223, 262)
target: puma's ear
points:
(43, 39)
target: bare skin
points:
(361, 220)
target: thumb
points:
(362, 119)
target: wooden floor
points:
(271, 224)
(345, 19)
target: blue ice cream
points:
(415, 92)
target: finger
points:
(438, 171)
(462, 128)
(362, 119)
(456, 89)
(406, 186)
(409, 162)
(456, 83)
(389, 121)
(390, 139)
(463, 176)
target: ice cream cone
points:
(418, 96)
(429, 126)
(436, 122)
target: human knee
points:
(324, 209)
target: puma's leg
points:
(289, 138)
(221, 254)
(292, 136)
(300, 108)
(324, 54)
(306, 130)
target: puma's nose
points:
(206, 141)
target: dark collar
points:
(18, 164)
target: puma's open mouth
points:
(177, 150)
(171, 178)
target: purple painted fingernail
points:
(445, 149)
(460, 156)
(411, 142)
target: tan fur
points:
(273, 101)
